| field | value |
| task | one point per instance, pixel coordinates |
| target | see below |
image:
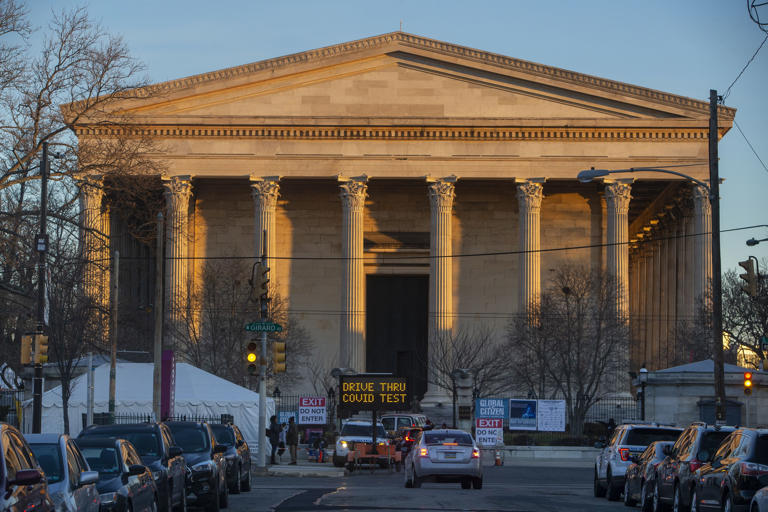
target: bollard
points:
(497, 458)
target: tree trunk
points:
(65, 403)
(577, 421)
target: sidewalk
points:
(306, 469)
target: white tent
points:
(198, 393)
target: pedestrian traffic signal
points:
(252, 357)
(278, 356)
(26, 348)
(41, 348)
(750, 277)
(747, 383)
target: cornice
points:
(422, 43)
(439, 133)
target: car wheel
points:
(235, 487)
(645, 503)
(408, 481)
(628, 501)
(598, 490)
(245, 484)
(169, 500)
(154, 505)
(416, 480)
(613, 492)
(657, 505)
(694, 501)
(728, 503)
(477, 483)
(224, 497)
(182, 506)
(214, 505)
(466, 483)
(677, 501)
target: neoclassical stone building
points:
(398, 178)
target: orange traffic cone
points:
(497, 458)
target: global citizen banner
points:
(489, 431)
(312, 410)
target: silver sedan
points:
(444, 455)
(760, 501)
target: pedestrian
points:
(292, 438)
(282, 443)
(273, 432)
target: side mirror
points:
(703, 456)
(27, 477)
(667, 450)
(89, 477)
(136, 469)
(220, 448)
(175, 451)
(240, 443)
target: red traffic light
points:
(747, 383)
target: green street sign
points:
(263, 327)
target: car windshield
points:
(711, 440)
(146, 443)
(761, 450)
(102, 459)
(448, 438)
(350, 429)
(223, 434)
(49, 457)
(190, 438)
(645, 436)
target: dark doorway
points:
(396, 327)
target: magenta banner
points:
(167, 384)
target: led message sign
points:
(374, 392)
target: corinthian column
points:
(617, 196)
(702, 245)
(178, 190)
(265, 191)
(95, 244)
(352, 348)
(529, 196)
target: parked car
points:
(614, 459)
(356, 431)
(444, 455)
(71, 483)
(737, 471)
(154, 444)
(396, 421)
(677, 472)
(405, 438)
(759, 501)
(125, 484)
(238, 456)
(640, 479)
(205, 457)
(22, 483)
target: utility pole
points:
(89, 414)
(113, 336)
(42, 249)
(158, 310)
(262, 454)
(717, 305)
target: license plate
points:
(450, 455)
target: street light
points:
(717, 307)
(753, 241)
(643, 378)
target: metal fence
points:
(10, 407)
(104, 418)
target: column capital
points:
(353, 191)
(266, 188)
(700, 197)
(441, 191)
(177, 187)
(618, 194)
(530, 193)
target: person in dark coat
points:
(273, 432)
(292, 438)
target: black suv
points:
(676, 474)
(22, 484)
(205, 458)
(738, 469)
(238, 456)
(154, 444)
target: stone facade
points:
(401, 155)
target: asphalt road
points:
(513, 488)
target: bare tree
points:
(745, 318)
(576, 343)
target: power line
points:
(750, 144)
(728, 90)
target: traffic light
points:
(278, 356)
(41, 348)
(261, 280)
(252, 357)
(747, 383)
(750, 287)
(26, 348)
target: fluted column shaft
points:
(178, 190)
(703, 244)
(352, 347)
(529, 197)
(265, 191)
(617, 197)
(95, 247)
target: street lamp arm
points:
(590, 174)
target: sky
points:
(684, 47)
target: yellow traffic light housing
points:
(41, 348)
(26, 348)
(747, 383)
(278, 356)
(252, 357)
(750, 277)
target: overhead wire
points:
(728, 90)
(750, 145)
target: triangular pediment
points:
(405, 77)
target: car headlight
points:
(343, 444)
(108, 497)
(203, 467)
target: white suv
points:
(356, 431)
(614, 458)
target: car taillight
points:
(695, 464)
(475, 453)
(624, 454)
(752, 469)
(423, 452)
(408, 438)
